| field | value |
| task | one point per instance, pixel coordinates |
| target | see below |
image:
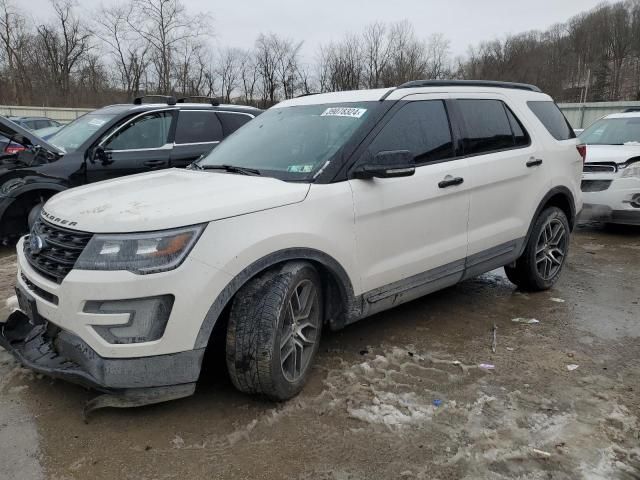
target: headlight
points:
(140, 253)
(632, 170)
(10, 185)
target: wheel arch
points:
(560, 197)
(340, 301)
(23, 201)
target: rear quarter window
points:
(232, 121)
(553, 119)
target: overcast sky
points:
(463, 22)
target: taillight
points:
(13, 149)
(582, 150)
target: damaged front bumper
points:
(50, 350)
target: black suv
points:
(110, 142)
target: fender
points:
(26, 188)
(352, 305)
(561, 190)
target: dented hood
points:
(167, 199)
(611, 153)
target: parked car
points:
(611, 177)
(35, 123)
(110, 142)
(324, 210)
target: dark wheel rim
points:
(299, 331)
(551, 248)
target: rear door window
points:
(487, 126)
(198, 126)
(552, 119)
(232, 121)
(422, 127)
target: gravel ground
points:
(400, 395)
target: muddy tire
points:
(34, 214)
(274, 331)
(545, 254)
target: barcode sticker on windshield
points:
(96, 122)
(344, 112)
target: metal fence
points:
(63, 115)
(581, 115)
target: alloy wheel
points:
(551, 248)
(299, 331)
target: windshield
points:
(291, 143)
(70, 137)
(613, 131)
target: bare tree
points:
(229, 69)
(129, 52)
(16, 49)
(377, 51)
(166, 26)
(63, 44)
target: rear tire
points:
(274, 331)
(545, 254)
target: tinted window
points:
(553, 119)
(487, 126)
(41, 124)
(520, 135)
(422, 127)
(198, 127)
(232, 121)
(148, 131)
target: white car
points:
(323, 211)
(611, 178)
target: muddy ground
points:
(400, 395)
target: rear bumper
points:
(47, 349)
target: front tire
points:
(545, 254)
(274, 331)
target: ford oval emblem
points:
(36, 243)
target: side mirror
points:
(101, 155)
(389, 164)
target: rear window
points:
(198, 127)
(552, 119)
(487, 126)
(232, 121)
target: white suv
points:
(322, 211)
(611, 178)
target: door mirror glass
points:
(389, 164)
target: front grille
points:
(61, 248)
(600, 168)
(594, 185)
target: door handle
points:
(450, 181)
(534, 162)
(154, 163)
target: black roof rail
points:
(308, 94)
(631, 110)
(168, 99)
(213, 101)
(469, 83)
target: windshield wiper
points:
(229, 168)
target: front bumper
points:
(619, 202)
(47, 349)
